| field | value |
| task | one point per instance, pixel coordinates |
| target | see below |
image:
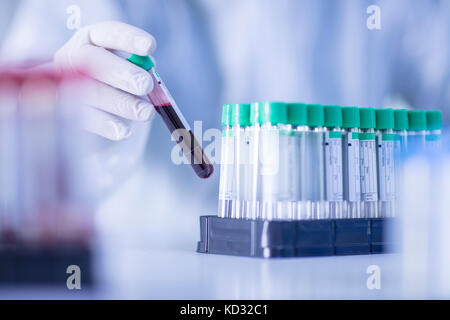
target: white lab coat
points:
(223, 51)
(310, 50)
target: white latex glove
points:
(116, 83)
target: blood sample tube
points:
(226, 186)
(434, 130)
(333, 161)
(173, 118)
(417, 129)
(313, 182)
(401, 126)
(351, 162)
(385, 125)
(368, 163)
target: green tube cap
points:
(333, 116)
(401, 120)
(434, 120)
(297, 114)
(316, 115)
(240, 114)
(226, 115)
(254, 112)
(384, 118)
(142, 61)
(417, 120)
(350, 117)
(268, 112)
(367, 118)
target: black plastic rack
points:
(276, 239)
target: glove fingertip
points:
(144, 85)
(121, 133)
(144, 45)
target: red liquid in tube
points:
(180, 130)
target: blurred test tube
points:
(54, 188)
(9, 87)
(77, 192)
(421, 231)
(38, 157)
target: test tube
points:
(434, 129)
(9, 171)
(288, 166)
(351, 162)
(39, 159)
(401, 125)
(173, 118)
(78, 191)
(255, 195)
(386, 162)
(272, 117)
(417, 131)
(333, 161)
(298, 119)
(368, 155)
(313, 181)
(240, 121)
(226, 183)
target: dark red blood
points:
(187, 141)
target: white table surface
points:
(143, 252)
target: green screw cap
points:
(350, 117)
(254, 112)
(417, 120)
(367, 118)
(270, 112)
(142, 61)
(401, 120)
(316, 115)
(240, 114)
(297, 114)
(226, 115)
(434, 120)
(333, 116)
(384, 119)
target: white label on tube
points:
(354, 177)
(269, 163)
(333, 166)
(368, 171)
(386, 166)
(227, 167)
(288, 166)
(245, 168)
(254, 165)
(293, 168)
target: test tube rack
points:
(283, 239)
(23, 264)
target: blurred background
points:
(212, 52)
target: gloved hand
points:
(116, 84)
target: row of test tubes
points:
(45, 195)
(293, 161)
